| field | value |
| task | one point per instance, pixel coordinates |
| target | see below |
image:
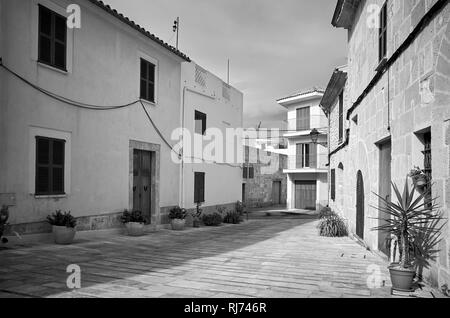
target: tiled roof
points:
(137, 27)
(305, 92)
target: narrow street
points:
(271, 255)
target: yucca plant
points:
(415, 226)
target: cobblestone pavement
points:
(268, 257)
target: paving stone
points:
(264, 257)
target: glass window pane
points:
(60, 55)
(42, 181)
(60, 28)
(143, 69)
(45, 50)
(151, 92)
(43, 149)
(58, 152)
(143, 89)
(45, 21)
(58, 180)
(151, 72)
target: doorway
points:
(142, 181)
(360, 205)
(305, 195)
(384, 190)
(276, 193)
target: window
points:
(341, 117)
(199, 187)
(249, 172)
(333, 184)
(148, 81)
(50, 166)
(306, 156)
(52, 38)
(303, 119)
(428, 168)
(382, 45)
(200, 123)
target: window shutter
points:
(333, 184)
(313, 156)
(299, 156)
(202, 187)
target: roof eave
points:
(334, 88)
(140, 29)
(288, 101)
(344, 13)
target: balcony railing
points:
(316, 121)
(319, 162)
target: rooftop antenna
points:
(176, 28)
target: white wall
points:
(223, 184)
(104, 70)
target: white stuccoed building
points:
(307, 185)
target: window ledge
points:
(56, 196)
(59, 70)
(148, 103)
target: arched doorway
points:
(360, 205)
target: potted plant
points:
(197, 216)
(178, 218)
(134, 222)
(418, 176)
(414, 228)
(4, 216)
(63, 226)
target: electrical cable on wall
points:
(104, 108)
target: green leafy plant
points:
(416, 171)
(133, 217)
(332, 226)
(240, 208)
(325, 212)
(413, 225)
(177, 213)
(62, 219)
(214, 219)
(232, 217)
(4, 216)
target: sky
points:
(276, 47)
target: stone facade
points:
(412, 97)
(268, 168)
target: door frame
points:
(155, 213)
(279, 191)
(305, 182)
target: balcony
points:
(297, 128)
(313, 164)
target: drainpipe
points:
(329, 158)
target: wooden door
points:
(360, 205)
(276, 193)
(305, 195)
(142, 178)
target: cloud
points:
(275, 47)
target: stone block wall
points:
(412, 97)
(268, 167)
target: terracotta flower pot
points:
(178, 224)
(135, 229)
(401, 278)
(63, 235)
